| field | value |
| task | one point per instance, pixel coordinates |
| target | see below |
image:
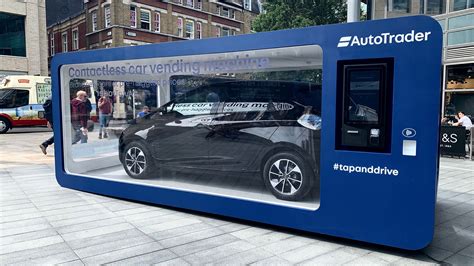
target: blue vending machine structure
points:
(352, 153)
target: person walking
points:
(48, 115)
(105, 110)
(79, 117)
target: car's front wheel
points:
(137, 161)
(4, 125)
(287, 176)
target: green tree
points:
(287, 14)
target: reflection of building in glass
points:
(456, 18)
(23, 38)
(129, 97)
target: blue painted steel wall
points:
(390, 210)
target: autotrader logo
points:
(383, 38)
(344, 41)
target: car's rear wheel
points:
(288, 176)
(137, 161)
(4, 125)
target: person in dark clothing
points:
(79, 117)
(48, 115)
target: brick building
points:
(113, 23)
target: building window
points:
(179, 1)
(189, 29)
(133, 17)
(225, 32)
(218, 31)
(144, 19)
(157, 21)
(225, 12)
(64, 41)
(180, 27)
(461, 37)
(198, 30)
(435, 7)
(94, 20)
(459, 78)
(12, 34)
(457, 5)
(461, 21)
(107, 16)
(190, 3)
(75, 39)
(248, 4)
(400, 5)
(51, 44)
(198, 4)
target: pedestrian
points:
(145, 111)
(48, 115)
(105, 110)
(79, 117)
(463, 120)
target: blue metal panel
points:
(385, 209)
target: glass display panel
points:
(363, 104)
(240, 124)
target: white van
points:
(21, 101)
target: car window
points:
(14, 98)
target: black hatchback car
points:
(271, 128)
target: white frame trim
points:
(130, 14)
(51, 44)
(95, 25)
(182, 27)
(193, 32)
(154, 21)
(64, 42)
(200, 31)
(149, 18)
(105, 16)
(74, 46)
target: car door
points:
(180, 134)
(241, 128)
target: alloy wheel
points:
(135, 160)
(285, 176)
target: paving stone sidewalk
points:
(43, 223)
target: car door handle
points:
(352, 131)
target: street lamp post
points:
(353, 10)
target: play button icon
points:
(409, 133)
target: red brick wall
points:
(189, 12)
(226, 22)
(145, 36)
(152, 3)
(82, 34)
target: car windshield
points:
(5, 93)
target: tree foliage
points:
(287, 14)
